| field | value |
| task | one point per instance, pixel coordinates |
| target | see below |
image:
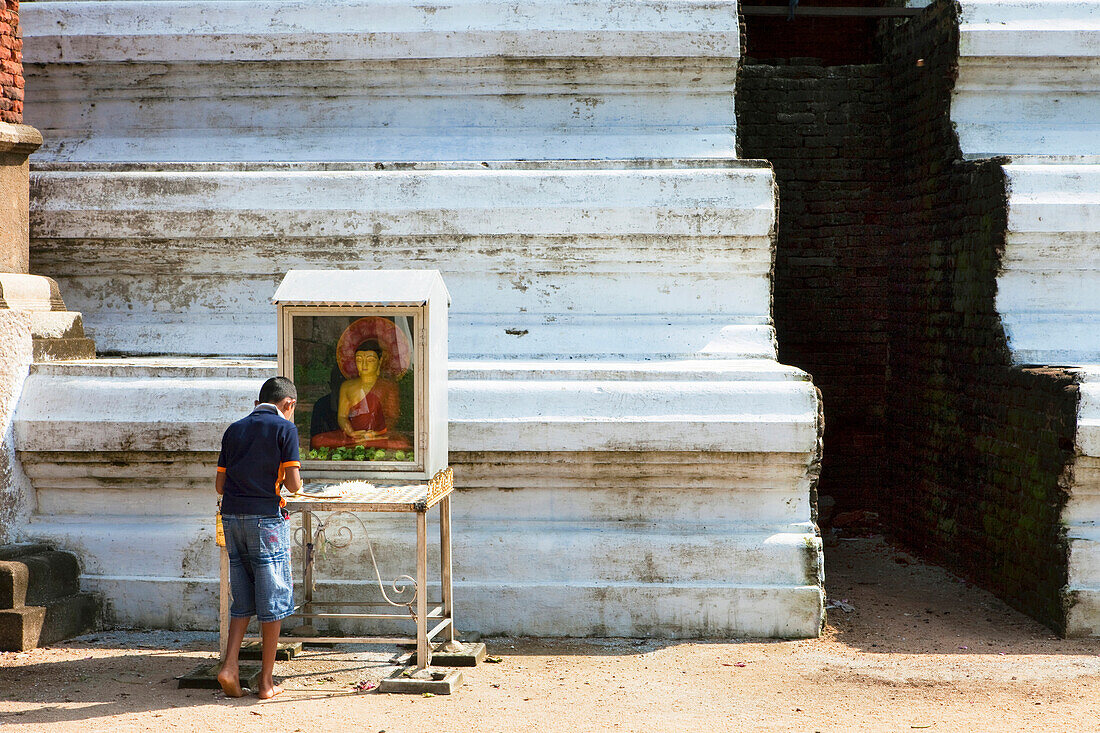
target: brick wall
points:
(885, 278)
(824, 130)
(977, 450)
(11, 63)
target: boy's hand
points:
(292, 481)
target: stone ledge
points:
(19, 291)
(534, 414)
(19, 139)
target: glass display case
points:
(367, 351)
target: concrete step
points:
(31, 626)
(20, 628)
(63, 349)
(57, 325)
(528, 415)
(16, 549)
(38, 579)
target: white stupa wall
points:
(367, 80)
(1028, 78)
(1048, 291)
(631, 459)
(1029, 89)
(682, 251)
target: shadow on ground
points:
(111, 674)
(897, 604)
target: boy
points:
(259, 453)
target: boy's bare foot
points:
(230, 680)
(269, 691)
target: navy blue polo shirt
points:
(256, 451)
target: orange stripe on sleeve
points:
(282, 477)
(221, 469)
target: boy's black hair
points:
(277, 389)
(370, 345)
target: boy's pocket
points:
(274, 537)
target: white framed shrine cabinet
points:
(367, 350)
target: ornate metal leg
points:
(423, 653)
(445, 567)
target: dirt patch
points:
(917, 649)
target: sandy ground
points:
(919, 650)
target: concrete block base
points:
(37, 579)
(434, 681)
(461, 655)
(205, 677)
(40, 598)
(285, 652)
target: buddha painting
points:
(364, 405)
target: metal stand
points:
(354, 499)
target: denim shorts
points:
(259, 566)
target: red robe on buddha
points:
(378, 409)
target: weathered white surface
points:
(1048, 290)
(1082, 513)
(277, 30)
(681, 251)
(1029, 87)
(636, 538)
(1029, 77)
(15, 357)
(355, 80)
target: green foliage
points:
(360, 453)
(406, 397)
(313, 374)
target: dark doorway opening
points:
(834, 32)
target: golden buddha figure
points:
(368, 404)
